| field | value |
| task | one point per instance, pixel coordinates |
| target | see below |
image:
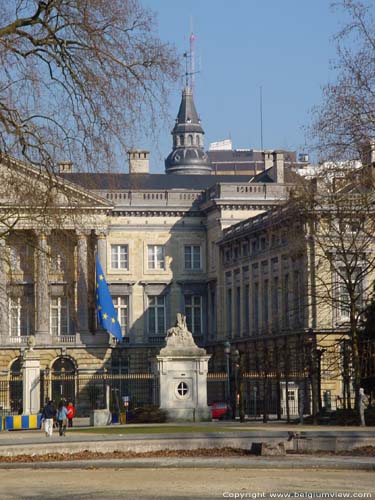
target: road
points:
(177, 483)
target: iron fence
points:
(262, 395)
(95, 391)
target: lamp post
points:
(227, 367)
(46, 391)
(236, 368)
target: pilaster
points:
(4, 307)
(82, 284)
(42, 296)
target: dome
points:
(188, 155)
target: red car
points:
(220, 410)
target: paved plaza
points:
(180, 478)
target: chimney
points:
(65, 167)
(279, 166)
(139, 161)
(268, 159)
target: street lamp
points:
(227, 366)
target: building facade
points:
(184, 241)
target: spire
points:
(188, 155)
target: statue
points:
(31, 342)
(179, 334)
(363, 403)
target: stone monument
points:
(182, 367)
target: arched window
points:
(182, 140)
(197, 140)
(63, 380)
(15, 387)
(63, 365)
(16, 367)
(190, 140)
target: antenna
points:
(190, 61)
(261, 116)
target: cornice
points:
(155, 213)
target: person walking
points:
(47, 417)
(71, 413)
(61, 417)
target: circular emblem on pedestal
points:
(182, 390)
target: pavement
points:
(234, 434)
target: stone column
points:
(42, 296)
(4, 306)
(31, 383)
(82, 285)
(102, 249)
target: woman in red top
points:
(71, 414)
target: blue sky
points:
(285, 46)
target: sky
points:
(284, 46)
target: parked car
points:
(220, 409)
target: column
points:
(42, 296)
(82, 284)
(102, 249)
(4, 307)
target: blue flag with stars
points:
(107, 315)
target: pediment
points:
(25, 186)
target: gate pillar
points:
(31, 382)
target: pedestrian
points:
(20, 407)
(71, 413)
(47, 417)
(363, 404)
(61, 417)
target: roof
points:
(187, 118)
(97, 181)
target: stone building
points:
(157, 239)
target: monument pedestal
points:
(182, 368)
(31, 383)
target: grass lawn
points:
(155, 429)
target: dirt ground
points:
(179, 484)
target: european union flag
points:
(107, 316)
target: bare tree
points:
(78, 78)
(345, 120)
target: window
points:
(296, 298)
(238, 311)
(121, 304)
(275, 298)
(193, 257)
(229, 312)
(246, 309)
(156, 314)
(245, 249)
(20, 321)
(59, 318)
(190, 140)
(57, 262)
(256, 307)
(286, 300)
(213, 313)
(193, 311)
(156, 257)
(265, 303)
(344, 300)
(119, 257)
